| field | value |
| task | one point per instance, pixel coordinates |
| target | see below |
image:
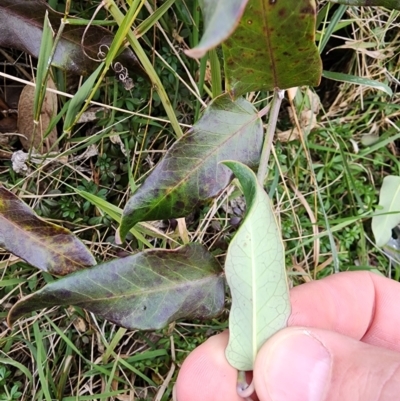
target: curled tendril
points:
(101, 54)
(123, 75)
(121, 72)
(99, 7)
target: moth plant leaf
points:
(388, 216)
(190, 173)
(144, 291)
(48, 247)
(273, 47)
(256, 275)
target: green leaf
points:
(144, 291)
(390, 4)
(17, 365)
(389, 214)
(44, 245)
(220, 19)
(190, 173)
(115, 213)
(79, 98)
(70, 54)
(273, 47)
(43, 66)
(255, 271)
(154, 17)
(353, 79)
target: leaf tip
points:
(118, 237)
(14, 314)
(10, 322)
(196, 52)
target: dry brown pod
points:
(26, 126)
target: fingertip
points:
(206, 375)
(292, 356)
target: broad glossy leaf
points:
(190, 173)
(273, 47)
(220, 19)
(42, 244)
(144, 291)
(255, 271)
(21, 27)
(390, 4)
(389, 214)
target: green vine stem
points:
(272, 121)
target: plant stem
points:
(266, 150)
(147, 65)
(243, 389)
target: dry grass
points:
(69, 354)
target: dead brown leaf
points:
(33, 134)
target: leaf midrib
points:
(36, 240)
(203, 161)
(167, 289)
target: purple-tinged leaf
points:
(190, 173)
(42, 244)
(21, 27)
(144, 291)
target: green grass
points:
(328, 177)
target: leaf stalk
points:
(272, 121)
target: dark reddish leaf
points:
(21, 27)
(143, 291)
(190, 173)
(42, 244)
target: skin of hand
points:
(342, 344)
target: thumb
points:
(303, 364)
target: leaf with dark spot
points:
(190, 173)
(273, 47)
(21, 27)
(42, 244)
(144, 291)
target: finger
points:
(299, 364)
(360, 305)
(356, 304)
(206, 374)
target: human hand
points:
(343, 344)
